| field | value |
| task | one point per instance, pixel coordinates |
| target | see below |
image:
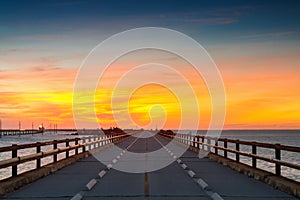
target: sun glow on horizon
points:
(254, 100)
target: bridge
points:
(73, 170)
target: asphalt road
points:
(157, 171)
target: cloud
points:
(217, 16)
(211, 21)
(233, 11)
(66, 3)
(271, 34)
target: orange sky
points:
(255, 44)
(263, 93)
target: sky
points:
(255, 44)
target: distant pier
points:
(7, 132)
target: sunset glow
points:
(260, 67)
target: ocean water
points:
(284, 137)
(26, 139)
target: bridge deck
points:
(171, 182)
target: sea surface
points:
(284, 137)
(26, 139)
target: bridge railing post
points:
(208, 142)
(67, 152)
(237, 148)
(277, 157)
(97, 143)
(180, 139)
(14, 154)
(194, 141)
(225, 146)
(83, 147)
(55, 147)
(254, 151)
(94, 144)
(90, 146)
(202, 145)
(76, 143)
(38, 150)
(216, 145)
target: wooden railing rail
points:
(210, 143)
(78, 144)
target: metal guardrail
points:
(80, 145)
(214, 145)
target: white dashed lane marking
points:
(102, 173)
(213, 195)
(89, 186)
